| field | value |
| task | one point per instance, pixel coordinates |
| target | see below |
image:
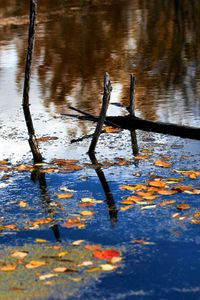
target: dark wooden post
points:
(132, 96)
(37, 157)
(104, 108)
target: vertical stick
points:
(105, 103)
(37, 157)
(132, 96)
(112, 209)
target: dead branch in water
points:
(37, 157)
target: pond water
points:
(76, 43)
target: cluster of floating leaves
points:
(149, 195)
(31, 270)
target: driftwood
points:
(130, 123)
(37, 157)
(101, 119)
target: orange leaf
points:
(93, 247)
(106, 254)
(133, 187)
(110, 129)
(8, 268)
(47, 138)
(196, 214)
(65, 196)
(156, 183)
(63, 161)
(35, 264)
(141, 157)
(133, 199)
(87, 213)
(167, 192)
(161, 163)
(73, 222)
(41, 221)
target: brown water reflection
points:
(77, 41)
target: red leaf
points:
(106, 254)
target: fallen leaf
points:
(9, 226)
(8, 268)
(141, 157)
(64, 161)
(93, 270)
(133, 187)
(106, 254)
(125, 208)
(110, 129)
(41, 241)
(86, 264)
(87, 213)
(22, 204)
(61, 254)
(47, 276)
(4, 162)
(167, 202)
(92, 247)
(108, 267)
(71, 167)
(183, 206)
(47, 138)
(115, 260)
(147, 195)
(161, 163)
(19, 254)
(133, 198)
(196, 214)
(73, 222)
(194, 221)
(65, 196)
(35, 264)
(41, 221)
(166, 192)
(183, 188)
(60, 269)
(77, 243)
(148, 207)
(157, 183)
(142, 242)
(176, 216)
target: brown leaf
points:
(133, 187)
(64, 161)
(4, 162)
(194, 221)
(9, 226)
(141, 157)
(70, 168)
(47, 138)
(183, 206)
(196, 214)
(133, 198)
(161, 163)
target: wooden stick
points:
(37, 157)
(132, 96)
(105, 103)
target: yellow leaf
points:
(87, 213)
(108, 267)
(194, 221)
(133, 187)
(124, 208)
(110, 129)
(22, 204)
(41, 241)
(196, 214)
(61, 254)
(148, 207)
(35, 264)
(42, 221)
(115, 260)
(93, 270)
(133, 199)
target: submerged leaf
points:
(163, 164)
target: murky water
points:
(77, 41)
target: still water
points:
(76, 43)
